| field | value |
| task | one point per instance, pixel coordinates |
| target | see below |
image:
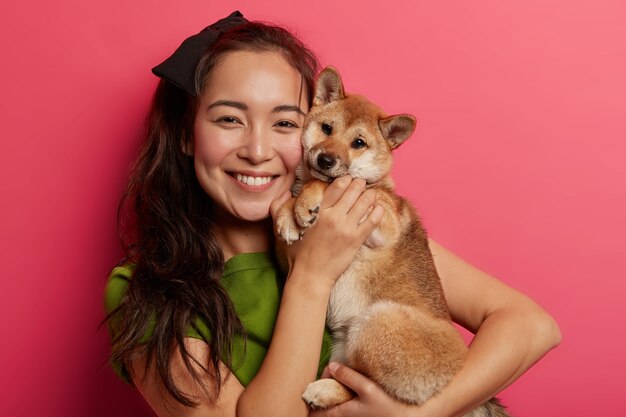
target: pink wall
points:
(518, 165)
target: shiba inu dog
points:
(387, 311)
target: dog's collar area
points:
(318, 175)
(321, 176)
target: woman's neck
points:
(240, 236)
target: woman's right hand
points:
(348, 215)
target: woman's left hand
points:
(371, 400)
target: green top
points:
(255, 288)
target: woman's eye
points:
(286, 124)
(358, 143)
(228, 120)
(327, 129)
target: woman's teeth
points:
(252, 180)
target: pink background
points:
(518, 164)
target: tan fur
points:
(387, 311)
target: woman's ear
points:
(186, 145)
(328, 87)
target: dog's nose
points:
(325, 161)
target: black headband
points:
(180, 67)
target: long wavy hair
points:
(165, 223)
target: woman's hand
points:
(347, 216)
(371, 400)
(346, 219)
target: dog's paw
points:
(287, 230)
(305, 214)
(326, 393)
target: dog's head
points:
(349, 135)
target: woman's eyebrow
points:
(229, 103)
(288, 107)
(242, 106)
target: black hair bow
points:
(180, 67)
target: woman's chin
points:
(255, 213)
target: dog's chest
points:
(347, 299)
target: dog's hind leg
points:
(411, 354)
(491, 408)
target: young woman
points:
(201, 321)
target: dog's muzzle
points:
(326, 161)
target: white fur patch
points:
(347, 300)
(308, 136)
(365, 167)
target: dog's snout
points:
(325, 161)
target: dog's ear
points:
(328, 87)
(397, 129)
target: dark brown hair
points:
(166, 228)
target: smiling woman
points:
(247, 142)
(199, 279)
(202, 323)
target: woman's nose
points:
(257, 146)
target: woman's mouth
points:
(252, 180)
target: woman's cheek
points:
(212, 146)
(292, 154)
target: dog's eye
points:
(327, 129)
(358, 143)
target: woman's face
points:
(247, 132)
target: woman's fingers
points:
(365, 389)
(276, 204)
(371, 399)
(349, 196)
(363, 205)
(371, 220)
(352, 379)
(353, 204)
(343, 192)
(352, 194)
(347, 217)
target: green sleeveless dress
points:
(255, 286)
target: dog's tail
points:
(492, 408)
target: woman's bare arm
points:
(164, 405)
(511, 334)
(293, 355)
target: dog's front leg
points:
(286, 228)
(308, 203)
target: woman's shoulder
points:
(116, 286)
